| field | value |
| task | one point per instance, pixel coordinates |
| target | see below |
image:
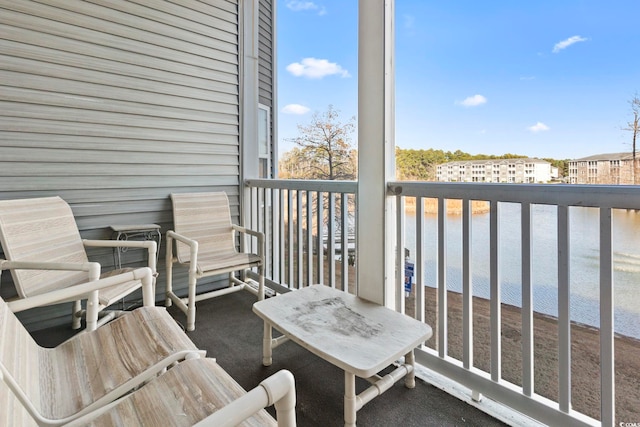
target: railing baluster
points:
(300, 241)
(309, 238)
(263, 225)
(290, 275)
(420, 282)
(320, 234)
(564, 314)
(400, 257)
(527, 301)
(281, 232)
(331, 240)
(344, 236)
(467, 290)
(607, 366)
(275, 233)
(494, 283)
(442, 277)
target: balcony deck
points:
(228, 329)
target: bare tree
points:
(324, 148)
(634, 127)
(323, 151)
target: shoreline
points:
(454, 206)
(585, 353)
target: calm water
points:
(584, 262)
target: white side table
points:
(134, 232)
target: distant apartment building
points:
(497, 170)
(612, 168)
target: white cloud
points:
(473, 101)
(316, 68)
(299, 6)
(295, 109)
(538, 127)
(568, 42)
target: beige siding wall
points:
(115, 104)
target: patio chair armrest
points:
(88, 290)
(150, 245)
(193, 248)
(187, 241)
(258, 234)
(279, 389)
(93, 268)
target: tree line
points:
(324, 150)
(421, 164)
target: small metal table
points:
(134, 232)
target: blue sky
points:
(548, 79)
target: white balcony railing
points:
(294, 215)
(296, 253)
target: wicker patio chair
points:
(44, 230)
(204, 236)
(53, 386)
(199, 392)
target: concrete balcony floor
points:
(230, 332)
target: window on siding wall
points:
(264, 137)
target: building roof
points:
(607, 156)
(492, 161)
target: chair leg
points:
(76, 315)
(261, 282)
(169, 278)
(191, 307)
(93, 308)
(169, 285)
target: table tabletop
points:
(354, 334)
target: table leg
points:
(410, 378)
(266, 344)
(350, 408)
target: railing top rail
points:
(608, 196)
(305, 185)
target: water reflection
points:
(584, 260)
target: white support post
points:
(249, 166)
(376, 153)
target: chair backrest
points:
(20, 358)
(44, 230)
(206, 218)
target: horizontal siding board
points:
(100, 144)
(265, 54)
(73, 90)
(129, 32)
(141, 161)
(107, 118)
(114, 131)
(131, 116)
(149, 108)
(226, 5)
(109, 169)
(112, 197)
(56, 184)
(80, 55)
(201, 21)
